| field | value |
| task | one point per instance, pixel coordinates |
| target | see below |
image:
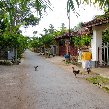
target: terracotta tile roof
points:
(82, 31)
(96, 22)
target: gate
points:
(103, 54)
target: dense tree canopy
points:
(20, 11)
(47, 38)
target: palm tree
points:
(71, 3)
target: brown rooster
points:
(75, 71)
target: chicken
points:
(75, 71)
(35, 67)
(88, 70)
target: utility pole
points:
(69, 22)
(69, 33)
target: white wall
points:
(96, 42)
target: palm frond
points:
(71, 6)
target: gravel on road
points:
(50, 87)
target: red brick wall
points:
(62, 50)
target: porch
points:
(100, 50)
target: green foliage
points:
(50, 34)
(84, 40)
(63, 28)
(10, 22)
(105, 36)
(31, 20)
(103, 4)
(106, 89)
(35, 42)
(100, 81)
(77, 41)
(9, 40)
(47, 40)
(51, 29)
(20, 12)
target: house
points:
(95, 28)
(65, 46)
(100, 51)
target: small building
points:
(100, 51)
(65, 46)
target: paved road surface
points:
(50, 87)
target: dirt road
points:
(50, 87)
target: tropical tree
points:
(9, 40)
(34, 32)
(45, 31)
(51, 28)
(35, 43)
(19, 12)
(63, 29)
(48, 38)
(13, 14)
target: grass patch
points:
(100, 81)
(67, 62)
(106, 89)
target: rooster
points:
(88, 70)
(35, 67)
(75, 71)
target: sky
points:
(59, 16)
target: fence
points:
(103, 58)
